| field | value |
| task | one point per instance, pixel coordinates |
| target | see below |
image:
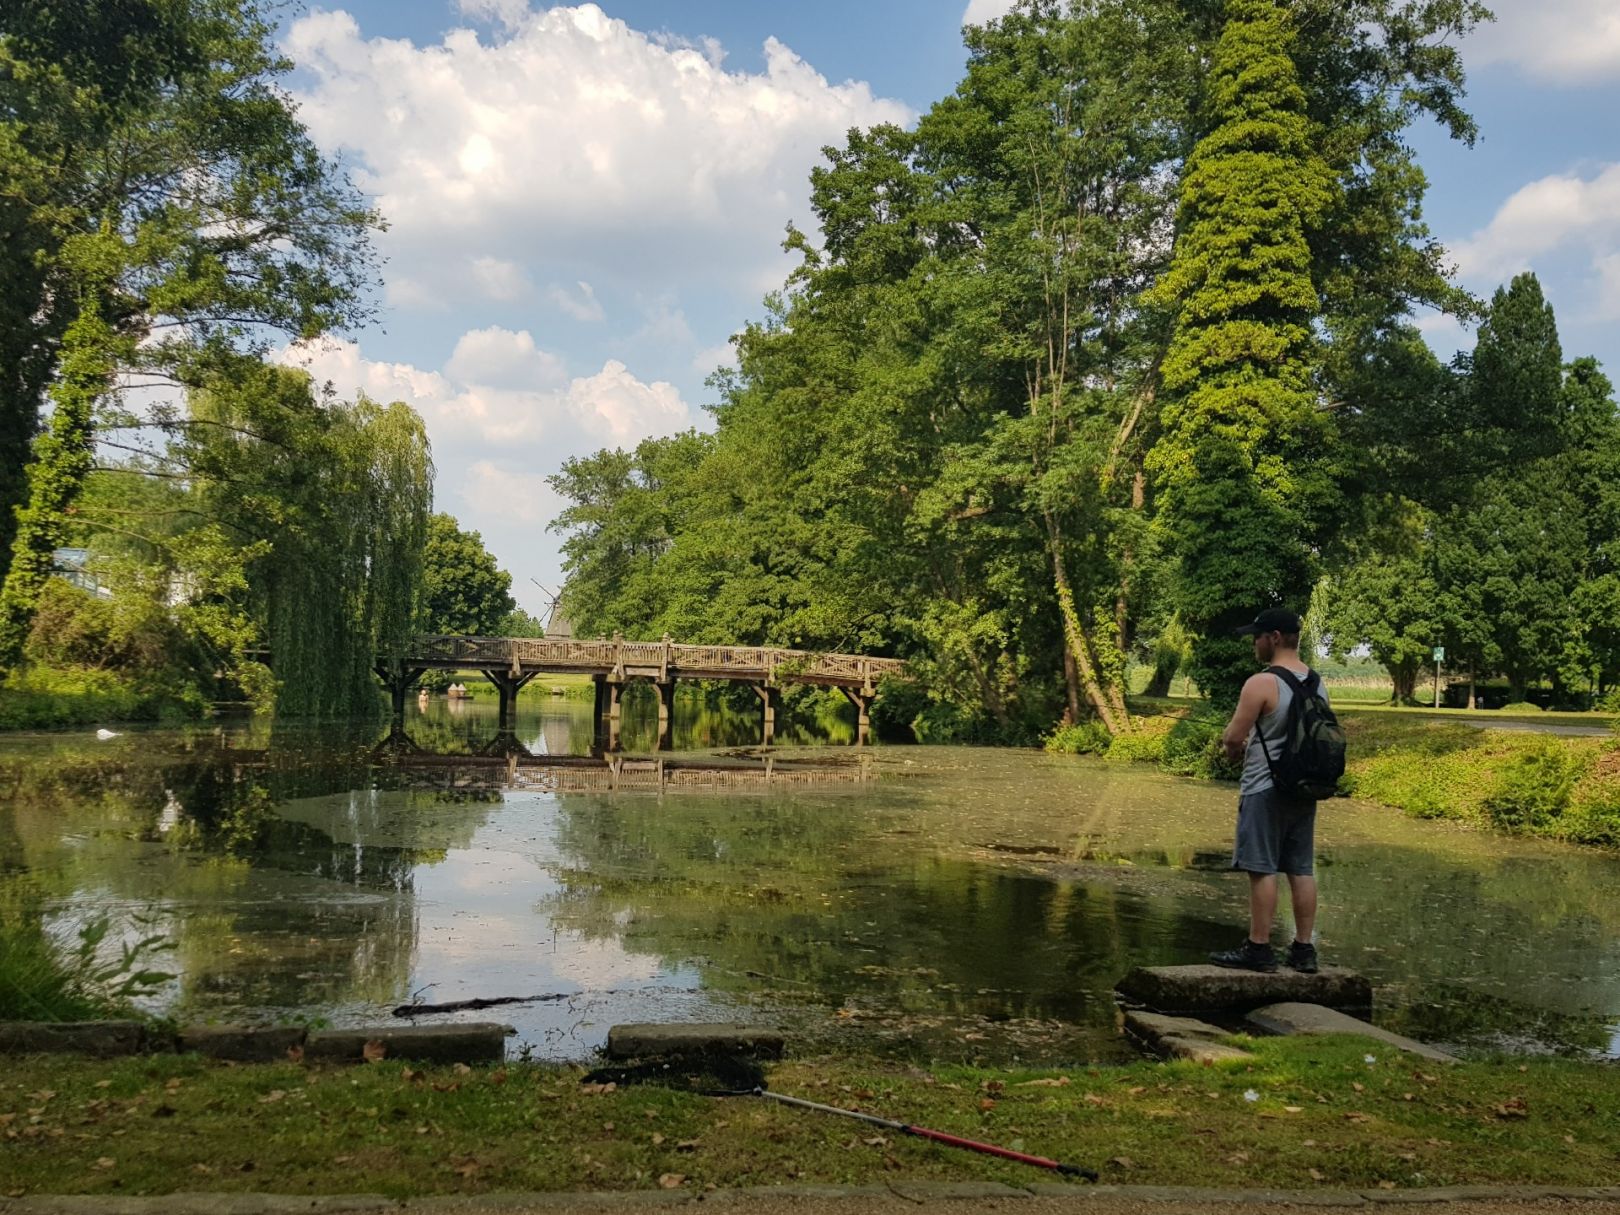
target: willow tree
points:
(1245, 468)
(328, 504)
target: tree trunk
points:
(63, 457)
(1106, 700)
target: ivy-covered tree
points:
(1246, 467)
(172, 215)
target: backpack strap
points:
(1300, 689)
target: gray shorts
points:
(1275, 835)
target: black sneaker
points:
(1302, 957)
(1247, 956)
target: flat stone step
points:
(644, 1041)
(242, 1043)
(471, 1042)
(1294, 1018)
(1180, 1038)
(1195, 989)
(102, 1039)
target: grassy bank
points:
(44, 698)
(1320, 1114)
(1553, 786)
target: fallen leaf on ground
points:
(461, 1069)
(1318, 1175)
(1513, 1107)
(597, 1090)
(295, 1054)
(1293, 1109)
(1124, 1162)
(373, 1051)
(657, 1139)
(876, 1141)
(1059, 1082)
(672, 1181)
(986, 1104)
(1386, 1185)
(105, 1162)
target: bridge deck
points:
(657, 660)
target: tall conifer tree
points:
(1243, 469)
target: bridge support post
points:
(508, 685)
(862, 700)
(598, 709)
(666, 715)
(615, 693)
(398, 678)
(768, 697)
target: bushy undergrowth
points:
(47, 977)
(1558, 787)
(35, 698)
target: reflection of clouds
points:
(481, 935)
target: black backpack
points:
(1311, 760)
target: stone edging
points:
(462, 1042)
(914, 1191)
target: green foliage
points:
(1087, 737)
(1245, 468)
(1144, 744)
(463, 590)
(85, 977)
(1192, 747)
(35, 698)
(1533, 790)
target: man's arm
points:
(1254, 700)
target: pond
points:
(939, 902)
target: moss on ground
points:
(1304, 1113)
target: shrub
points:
(42, 697)
(1521, 706)
(1192, 746)
(1534, 789)
(44, 978)
(1593, 816)
(1145, 744)
(1089, 737)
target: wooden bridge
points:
(511, 662)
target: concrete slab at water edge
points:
(1194, 989)
(1294, 1018)
(472, 1042)
(242, 1043)
(1180, 1038)
(101, 1039)
(646, 1041)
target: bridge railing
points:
(607, 656)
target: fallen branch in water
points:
(422, 1010)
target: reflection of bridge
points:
(569, 774)
(511, 662)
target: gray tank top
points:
(1256, 772)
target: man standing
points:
(1276, 833)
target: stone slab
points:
(1180, 1038)
(1195, 989)
(644, 1041)
(473, 1042)
(1293, 1018)
(102, 1039)
(242, 1043)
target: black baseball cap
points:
(1272, 620)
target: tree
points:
(172, 214)
(1245, 469)
(463, 590)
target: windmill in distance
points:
(556, 620)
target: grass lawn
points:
(1306, 1112)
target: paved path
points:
(894, 1199)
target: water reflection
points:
(952, 901)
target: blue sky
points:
(586, 201)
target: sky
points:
(584, 202)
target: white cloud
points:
(666, 325)
(520, 497)
(709, 358)
(1546, 219)
(1563, 42)
(980, 11)
(499, 389)
(569, 138)
(499, 279)
(583, 306)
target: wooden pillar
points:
(615, 691)
(508, 686)
(598, 707)
(767, 696)
(398, 678)
(666, 715)
(862, 700)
